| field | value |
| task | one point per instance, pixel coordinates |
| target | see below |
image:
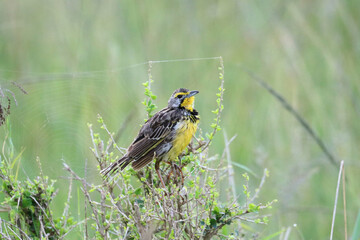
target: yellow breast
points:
(184, 132)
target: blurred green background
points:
(80, 58)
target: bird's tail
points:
(114, 167)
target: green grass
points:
(80, 58)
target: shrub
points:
(134, 205)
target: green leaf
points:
(172, 235)
(216, 210)
(207, 221)
(213, 223)
(215, 111)
(197, 193)
(138, 191)
(26, 202)
(191, 184)
(253, 207)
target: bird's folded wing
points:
(151, 135)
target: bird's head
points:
(182, 97)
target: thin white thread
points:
(185, 59)
(76, 74)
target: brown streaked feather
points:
(140, 163)
(142, 147)
(152, 133)
(158, 125)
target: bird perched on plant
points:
(164, 136)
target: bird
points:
(163, 137)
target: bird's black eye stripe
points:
(179, 96)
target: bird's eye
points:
(179, 96)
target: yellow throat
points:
(188, 103)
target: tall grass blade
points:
(356, 232)
(336, 200)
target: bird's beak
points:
(192, 93)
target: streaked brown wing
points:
(142, 162)
(153, 133)
(142, 147)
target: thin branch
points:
(42, 229)
(118, 208)
(149, 84)
(67, 204)
(220, 103)
(85, 199)
(21, 231)
(20, 87)
(13, 232)
(4, 236)
(112, 142)
(230, 167)
(93, 141)
(72, 228)
(13, 95)
(43, 210)
(260, 186)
